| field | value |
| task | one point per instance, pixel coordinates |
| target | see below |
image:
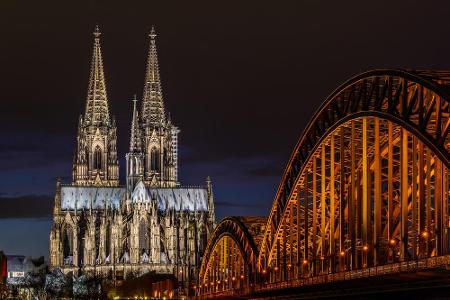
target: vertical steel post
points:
(428, 203)
(298, 258)
(390, 180)
(323, 205)
(404, 194)
(365, 193)
(284, 234)
(445, 221)
(341, 198)
(331, 252)
(377, 195)
(421, 199)
(306, 229)
(314, 222)
(438, 205)
(351, 198)
(414, 229)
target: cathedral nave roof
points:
(178, 198)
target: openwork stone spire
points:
(97, 111)
(135, 139)
(152, 103)
(96, 160)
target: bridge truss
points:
(366, 186)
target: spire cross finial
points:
(97, 32)
(134, 100)
(152, 34)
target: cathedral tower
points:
(95, 161)
(153, 224)
(159, 136)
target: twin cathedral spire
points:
(152, 156)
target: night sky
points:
(240, 79)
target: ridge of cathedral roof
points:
(153, 112)
(180, 199)
(123, 186)
(97, 109)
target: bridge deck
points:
(407, 267)
(429, 284)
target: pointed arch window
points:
(137, 166)
(131, 167)
(68, 245)
(143, 238)
(108, 240)
(97, 158)
(81, 237)
(203, 239)
(154, 159)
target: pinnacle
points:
(134, 101)
(97, 32)
(135, 144)
(152, 34)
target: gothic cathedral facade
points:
(152, 223)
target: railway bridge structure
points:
(364, 193)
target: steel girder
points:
(371, 194)
(231, 236)
(366, 185)
(417, 101)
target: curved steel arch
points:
(234, 228)
(417, 100)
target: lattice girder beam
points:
(372, 232)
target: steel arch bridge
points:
(366, 188)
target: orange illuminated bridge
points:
(365, 192)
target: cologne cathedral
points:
(153, 223)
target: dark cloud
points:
(231, 204)
(240, 78)
(28, 206)
(27, 149)
(259, 167)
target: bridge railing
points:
(393, 268)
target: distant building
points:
(15, 267)
(3, 268)
(18, 266)
(152, 223)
